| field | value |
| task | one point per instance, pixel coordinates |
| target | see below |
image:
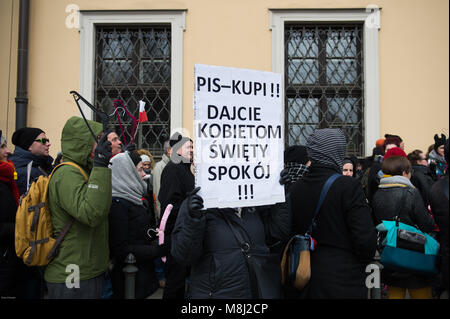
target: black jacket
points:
(407, 204)
(207, 244)
(42, 165)
(440, 209)
(128, 226)
(10, 265)
(345, 233)
(422, 179)
(176, 181)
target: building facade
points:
(369, 68)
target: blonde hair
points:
(146, 152)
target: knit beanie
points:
(380, 142)
(395, 151)
(296, 154)
(25, 136)
(145, 158)
(438, 141)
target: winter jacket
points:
(207, 244)
(10, 265)
(422, 179)
(177, 181)
(128, 226)
(345, 233)
(42, 165)
(86, 243)
(439, 206)
(396, 196)
(157, 172)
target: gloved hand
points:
(130, 147)
(195, 203)
(284, 177)
(103, 152)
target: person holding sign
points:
(219, 244)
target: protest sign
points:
(239, 136)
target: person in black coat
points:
(204, 240)
(398, 198)
(177, 180)
(421, 176)
(345, 233)
(130, 227)
(439, 201)
(11, 267)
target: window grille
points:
(324, 82)
(133, 63)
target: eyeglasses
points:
(43, 140)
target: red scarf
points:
(7, 171)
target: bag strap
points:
(245, 246)
(323, 194)
(401, 206)
(67, 226)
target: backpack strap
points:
(323, 194)
(67, 226)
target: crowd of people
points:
(129, 201)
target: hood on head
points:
(77, 141)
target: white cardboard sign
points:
(239, 136)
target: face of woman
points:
(348, 169)
(140, 169)
(4, 152)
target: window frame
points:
(371, 24)
(177, 20)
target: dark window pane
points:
(133, 63)
(324, 81)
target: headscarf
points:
(125, 179)
(327, 146)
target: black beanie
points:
(135, 157)
(25, 136)
(438, 141)
(296, 154)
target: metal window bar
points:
(133, 63)
(324, 82)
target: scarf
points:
(7, 176)
(126, 182)
(296, 171)
(390, 181)
(327, 146)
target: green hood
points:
(77, 140)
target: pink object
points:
(162, 226)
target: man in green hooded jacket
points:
(82, 258)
